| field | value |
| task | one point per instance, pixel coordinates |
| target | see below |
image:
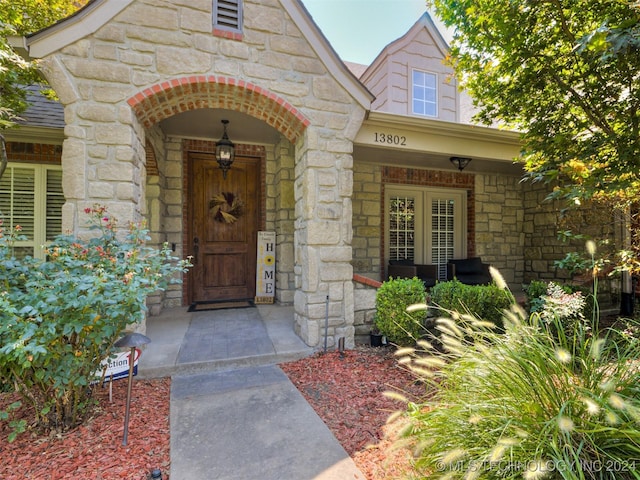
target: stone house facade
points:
(321, 156)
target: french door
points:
(426, 225)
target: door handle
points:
(196, 249)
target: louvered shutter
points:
(227, 14)
(54, 202)
(31, 196)
(17, 199)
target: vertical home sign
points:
(266, 271)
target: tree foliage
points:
(21, 18)
(567, 75)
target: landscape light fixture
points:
(130, 340)
(460, 162)
(225, 151)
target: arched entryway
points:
(166, 99)
(222, 215)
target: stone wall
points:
(158, 59)
(542, 247)
(365, 290)
(499, 225)
(367, 219)
(544, 219)
(495, 210)
(280, 212)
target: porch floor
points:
(189, 342)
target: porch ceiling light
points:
(225, 151)
(460, 162)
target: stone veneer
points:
(154, 60)
(511, 226)
(495, 225)
(543, 246)
(499, 225)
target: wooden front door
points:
(224, 225)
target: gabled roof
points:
(97, 13)
(356, 68)
(424, 22)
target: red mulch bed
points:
(94, 450)
(346, 392)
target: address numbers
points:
(390, 139)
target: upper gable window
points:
(227, 15)
(424, 90)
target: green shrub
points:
(535, 291)
(60, 318)
(392, 319)
(520, 405)
(485, 302)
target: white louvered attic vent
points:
(227, 14)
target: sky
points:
(359, 29)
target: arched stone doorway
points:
(224, 251)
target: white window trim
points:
(40, 206)
(423, 197)
(437, 103)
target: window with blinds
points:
(227, 15)
(442, 233)
(402, 227)
(31, 196)
(425, 225)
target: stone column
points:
(103, 152)
(324, 289)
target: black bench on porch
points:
(471, 271)
(405, 268)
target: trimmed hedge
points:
(486, 302)
(392, 320)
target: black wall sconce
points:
(460, 162)
(225, 151)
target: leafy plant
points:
(484, 301)
(392, 319)
(60, 318)
(530, 64)
(524, 404)
(535, 291)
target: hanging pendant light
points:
(225, 151)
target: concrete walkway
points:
(234, 414)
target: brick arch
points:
(169, 98)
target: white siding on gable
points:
(390, 76)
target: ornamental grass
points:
(527, 402)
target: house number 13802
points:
(390, 139)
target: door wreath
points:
(226, 207)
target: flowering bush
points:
(59, 318)
(565, 310)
